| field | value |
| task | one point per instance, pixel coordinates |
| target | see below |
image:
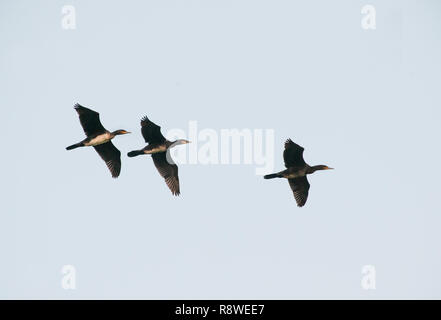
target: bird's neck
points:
(314, 169)
(117, 133)
(176, 143)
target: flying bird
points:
(159, 147)
(296, 171)
(99, 138)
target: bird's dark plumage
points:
(151, 132)
(90, 121)
(296, 171)
(300, 189)
(293, 154)
(168, 171)
(111, 156)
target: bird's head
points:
(323, 167)
(120, 132)
(319, 167)
(182, 141)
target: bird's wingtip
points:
(288, 142)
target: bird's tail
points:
(76, 145)
(135, 153)
(272, 176)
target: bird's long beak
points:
(327, 168)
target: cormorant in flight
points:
(99, 138)
(296, 171)
(158, 147)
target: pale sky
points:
(366, 102)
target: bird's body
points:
(158, 147)
(99, 138)
(296, 171)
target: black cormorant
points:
(158, 147)
(296, 171)
(99, 138)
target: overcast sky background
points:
(366, 102)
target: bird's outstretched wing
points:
(111, 156)
(90, 120)
(300, 189)
(168, 171)
(293, 154)
(151, 132)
